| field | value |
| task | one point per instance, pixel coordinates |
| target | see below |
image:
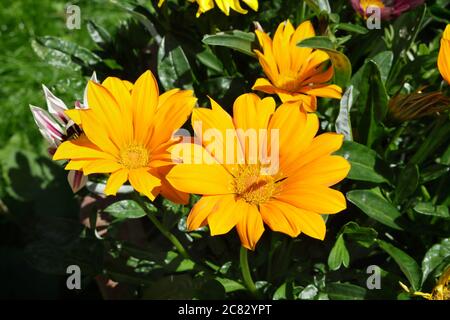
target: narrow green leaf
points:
(429, 209)
(438, 136)
(372, 103)
(345, 291)
(355, 28)
(365, 163)
(376, 207)
(236, 40)
(408, 265)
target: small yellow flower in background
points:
(243, 194)
(444, 55)
(295, 74)
(127, 131)
(224, 5)
(440, 292)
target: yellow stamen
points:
(251, 185)
(134, 157)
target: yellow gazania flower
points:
(444, 55)
(224, 5)
(295, 74)
(440, 292)
(127, 131)
(244, 194)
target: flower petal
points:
(251, 227)
(144, 182)
(313, 198)
(225, 215)
(200, 212)
(326, 171)
(211, 179)
(115, 181)
(144, 100)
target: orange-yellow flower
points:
(224, 5)
(127, 132)
(244, 193)
(444, 55)
(295, 74)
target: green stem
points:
(247, 277)
(165, 232)
(397, 135)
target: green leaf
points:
(429, 209)
(372, 103)
(338, 255)
(384, 62)
(230, 285)
(364, 236)
(309, 293)
(345, 291)
(125, 209)
(211, 289)
(406, 28)
(319, 5)
(408, 265)
(376, 207)
(76, 52)
(98, 34)
(433, 172)
(174, 70)
(284, 292)
(445, 159)
(343, 121)
(209, 59)
(355, 28)
(438, 136)
(407, 182)
(434, 257)
(53, 57)
(236, 40)
(341, 64)
(365, 163)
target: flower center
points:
(371, 3)
(288, 82)
(134, 157)
(252, 186)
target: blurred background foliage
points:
(393, 114)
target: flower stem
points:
(247, 277)
(165, 232)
